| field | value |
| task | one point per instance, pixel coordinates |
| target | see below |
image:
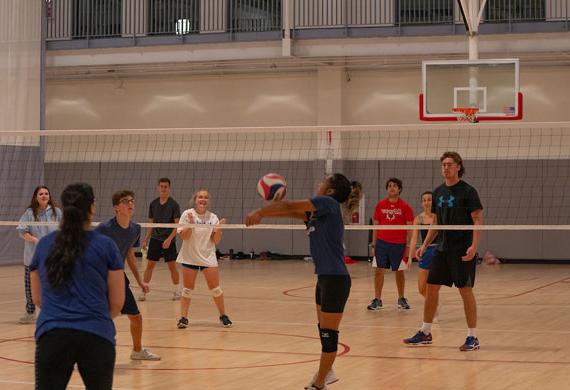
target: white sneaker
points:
(176, 295)
(144, 354)
(329, 379)
(27, 319)
(142, 297)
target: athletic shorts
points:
(425, 261)
(389, 255)
(447, 269)
(196, 267)
(155, 251)
(331, 292)
(130, 306)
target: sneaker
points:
(471, 344)
(225, 320)
(376, 304)
(28, 318)
(419, 338)
(144, 354)
(403, 304)
(182, 323)
(142, 297)
(176, 295)
(329, 379)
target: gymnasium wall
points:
(366, 97)
(20, 52)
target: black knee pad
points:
(329, 340)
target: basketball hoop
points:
(467, 114)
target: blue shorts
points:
(425, 261)
(389, 255)
(195, 267)
(130, 306)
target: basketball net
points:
(467, 114)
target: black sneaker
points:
(376, 304)
(225, 320)
(403, 304)
(182, 323)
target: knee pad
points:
(216, 291)
(329, 340)
(187, 292)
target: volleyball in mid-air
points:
(272, 186)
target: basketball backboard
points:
(491, 86)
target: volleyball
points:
(272, 186)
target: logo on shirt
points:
(449, 201)
(390, 214)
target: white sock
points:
(472, 332)
(426, 328)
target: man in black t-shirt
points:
(161, 242)
(454, 203)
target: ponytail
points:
(70, 242)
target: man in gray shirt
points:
(161, 242)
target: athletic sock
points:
(472, 332)
(426, 328)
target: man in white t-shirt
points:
(198, 253)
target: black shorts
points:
(195, 267)
(130, 306)
(332, 292)
(155, 251)
(448, 269)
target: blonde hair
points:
(193, 200)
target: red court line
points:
(345, 350)
(565, 280)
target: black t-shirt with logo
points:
(163, 213)
(453, 206)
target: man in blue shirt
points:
(126, 235)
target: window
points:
(178, 17)
(96, 19)
(256, 15)
(425, 12)
(516, 11)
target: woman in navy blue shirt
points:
(77, 279)
(325, 226)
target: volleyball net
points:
(521, 171)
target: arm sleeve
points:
(26, 217)
(176, 211)
(114, 259)
(323, 204)
(34, 265)
(473, 201)
(183, 221)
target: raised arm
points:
(281, 209)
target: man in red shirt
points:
(390, 245)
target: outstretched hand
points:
(253, 218)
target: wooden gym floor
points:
(524, 329)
